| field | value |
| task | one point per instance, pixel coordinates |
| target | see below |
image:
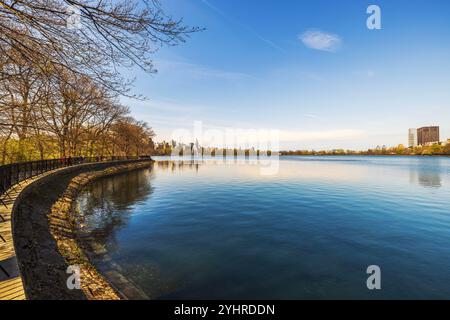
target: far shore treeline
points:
(60, 84)
(166, 149)
(400, 150)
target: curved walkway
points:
(11, 285)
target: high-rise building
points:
(427, 135)
(412, 137)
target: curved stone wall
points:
(44, 240)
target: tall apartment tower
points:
(412, 137)
(428, 135)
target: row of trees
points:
(436, 149)
(58, 113)
(60, 79)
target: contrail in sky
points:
(249, 29)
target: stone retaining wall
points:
(44, 237)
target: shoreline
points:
(45, 237)
(367, 155)
(101, 279)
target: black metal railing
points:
(12, 174)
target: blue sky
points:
(311, 69)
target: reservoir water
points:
(216, 229)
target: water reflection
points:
(425, 178)
(215, 229)
(425, 173)
(107, 206)
(178, 165)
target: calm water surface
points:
(220, 230)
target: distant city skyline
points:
(309, 69)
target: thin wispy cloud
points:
(365, 73)
(167, 106)
(195, 71)
(249, 29)
(312, 116)
(315, 136)
(319, 40)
